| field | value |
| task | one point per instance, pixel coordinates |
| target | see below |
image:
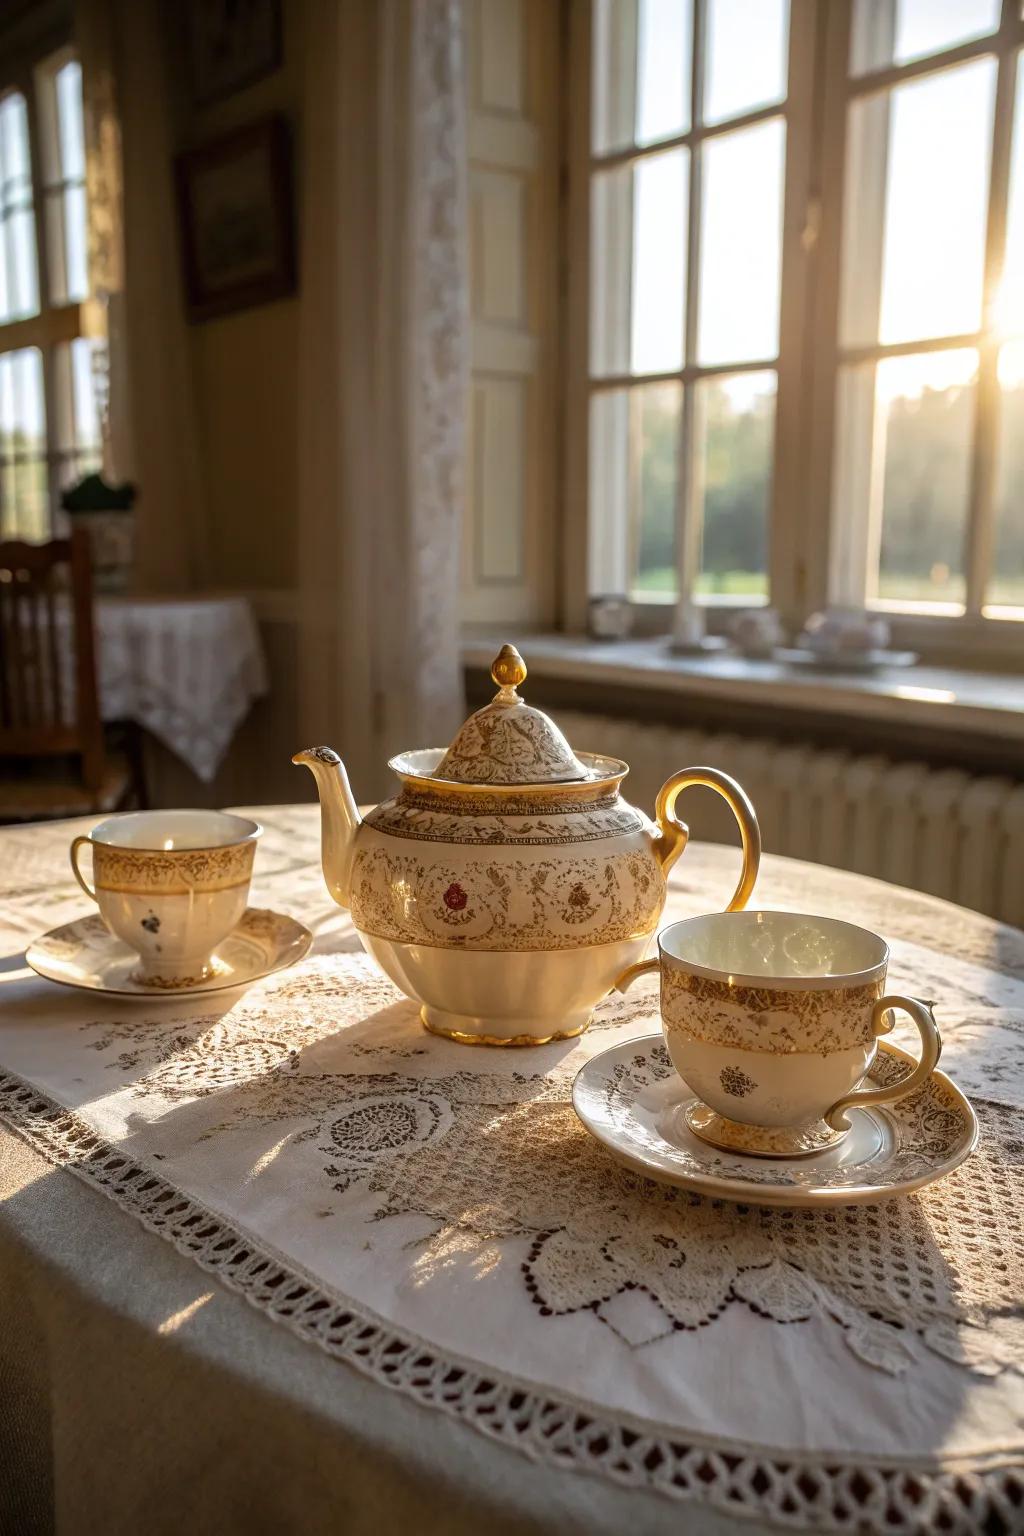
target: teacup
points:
(773, 1019)
(838, 629)
(172, 885)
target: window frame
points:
(972, 633)
(802, 533)
(56, 324)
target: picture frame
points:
(237, 221)
(232, 44)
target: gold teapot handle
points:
(673, 834)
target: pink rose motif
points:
(455, 897)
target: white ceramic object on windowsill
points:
(756, 632)
(689, 631)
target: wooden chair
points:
(53, 759)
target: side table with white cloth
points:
(185, 669)
(463, 1314)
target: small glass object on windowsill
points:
(609, 616)
(689, 631)
(106, 511)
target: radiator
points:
(933, 829)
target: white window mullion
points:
(688, 486)
(980, 531)
(791, 519)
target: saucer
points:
(86, 954)
(844, 661)
(632, 1100)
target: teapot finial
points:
(508, 669)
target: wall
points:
(509, 547)
(245, 377)
(245, 369)
(246, 364)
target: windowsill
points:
(980, 704)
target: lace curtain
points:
(383, 394)
(145, 386)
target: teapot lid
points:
(508, 741)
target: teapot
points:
(508, 884)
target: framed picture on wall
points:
(237, 229)
(232, 43)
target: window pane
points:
(656, 416)
(664, 68)
(634, 478)
(19, 284)
(22, 413)
(735, 429)
(87, 422)
(918, 443)
(642, 52)
(1010, 303)
(75, 244)
(69, 122)
(638, 265)
(24, 509)
(912, 29)
(915, 236)
(611, 250)
(1006, 588)
(22, 273)
(608, 524)
(747, 56)
(741, 244)
(16, 168)
(659, 263)
(77, 436)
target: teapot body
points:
(507, 916)
(508, 885)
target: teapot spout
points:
(339, 818)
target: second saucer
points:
(85, 954)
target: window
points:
(49, 424)
(927, 496)
(805, 340)
(686, 175)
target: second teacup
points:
(773, 1019)
(172, 885)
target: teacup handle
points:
(674, 834)
(76, 845)
(881, 1024)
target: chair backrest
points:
(46, 636)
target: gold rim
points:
(462, 1038)
(578, 789)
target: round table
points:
(505, 1352)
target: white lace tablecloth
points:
(436, 1218)
(187, 669)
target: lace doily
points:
(439, 1218)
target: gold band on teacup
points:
(156, 872)
(775, 1019)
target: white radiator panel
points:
(937, 830)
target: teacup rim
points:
(840, 981)
(252, 835)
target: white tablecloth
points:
(186, 669)
(435, 1216)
